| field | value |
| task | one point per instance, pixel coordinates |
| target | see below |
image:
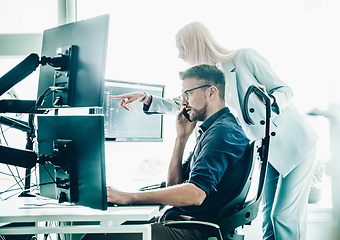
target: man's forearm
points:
(186, 194)
(175, 171)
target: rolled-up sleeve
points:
(163, 106)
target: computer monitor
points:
(134, 125)
(78, 51)
(74, 152)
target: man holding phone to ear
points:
(212, 175)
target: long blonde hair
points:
(201, 47)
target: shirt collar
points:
(207, 123)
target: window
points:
(20, 34)
(302, 48)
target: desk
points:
(30, 209)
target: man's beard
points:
(198, 115)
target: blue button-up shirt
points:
(215, 166)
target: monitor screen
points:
(75, 171)
(84, 43)
(134, 125)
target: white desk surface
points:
(31, 209)
(28, 209)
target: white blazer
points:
(292, 136)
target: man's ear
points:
(213, 92)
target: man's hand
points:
(127, 99)
(183, 126)
(118, 197)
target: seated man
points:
(212, 174)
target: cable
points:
(3, 134)
(18, 174)
(40, 100)
(49, 174)
(10, 127)
(36, 179)
(18, 183)
(9, 189)
(7, 174)
(37, 104)
(33, 185)
(16, 189)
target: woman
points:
(291, 153)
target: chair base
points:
(234, 237)
(237, 235)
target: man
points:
(212, 174)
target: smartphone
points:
(186, 115)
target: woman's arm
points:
(153, 105)
(265, 75)
(164, 106)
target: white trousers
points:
(285, 201)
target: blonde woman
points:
(291, 153)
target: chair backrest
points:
(238, 202)
(242, 210)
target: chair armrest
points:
(193, 224)
(207, 227)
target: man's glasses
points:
(185, 94)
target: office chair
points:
(241, 210)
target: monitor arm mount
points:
(61, 158)
(64, 64)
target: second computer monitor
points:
(134, 125)
(75, 167)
